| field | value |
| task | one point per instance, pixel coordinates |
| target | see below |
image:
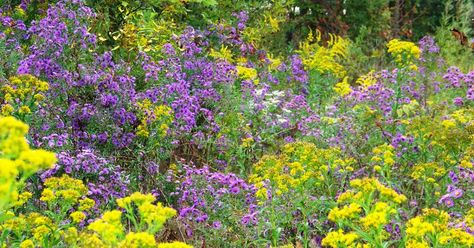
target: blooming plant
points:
(431, 228)
(22, 94)
(18, 161)
(364, 214)
(324, 59)
(404, 52)
(205, 196)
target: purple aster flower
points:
(202, 218)
(216, 224)
(453, 176)
(457, 193)
(449, 202)
(458, 101)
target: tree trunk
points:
(396, 13)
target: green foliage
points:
(456, 15)
(370, 20)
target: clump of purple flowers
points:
(86, 88)
(455, 78)
(206, 196)
(188, 82)
(461, 180)
(428, 45)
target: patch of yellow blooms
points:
(384, 157)
(247, 73)
(301, 164)
(405, 53)
(342, 88)
(367, 80)
(432, 227)
(17, 160)
(147, 217)
(324, 59)
(153, 117)
(223, 53)
(367, 208)
(21, 93)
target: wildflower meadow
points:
(236, 123)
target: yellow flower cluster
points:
(40, 226)
(369, 186)
(324, 59)
(137, 198)
(274, 22)
(175, 244)
(383, 155)
(247, 142)
(467, 158)
(300, 163)
(448, 124)
(154, 215)
(223, 54)
(64, 189)
(35, 225)
(128, 37)
(342, 88)
(86, 204)
(63, 194)
(274, 62)
(17, 160)
(141, 30)
(153, 117)
(25, 90)
(404, 53)
(141, 239)
(463, 116)
(348, 212)
(77, 216)
(427, 172)
(27, 244)
(368, 207)
(109, 228)
(469, 219)
(378, 217)
(363, 189)
(22, 199)
(247, 73)
(438, 134)
(338, 239)
(367, 80)
(432, 228)
(109, 231)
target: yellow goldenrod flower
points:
(77, 216)
(27, 244)
(7, 109)
(404, 52)
(18, 161)
(340, 239)
(86, 204)
(247, 73)
(342, 88)
(324, 59)
(109, 227)
(345, 213)
(137, 198)
(175, 244)
(138, 240)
